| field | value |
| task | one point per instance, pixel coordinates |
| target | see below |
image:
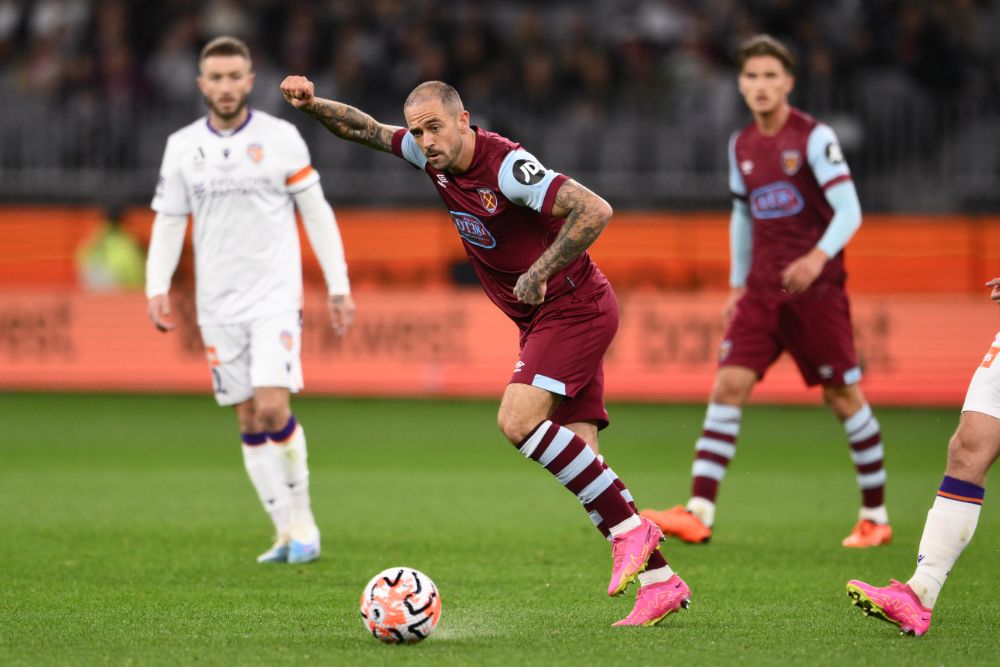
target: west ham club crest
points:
(489, 199)
(791, 162)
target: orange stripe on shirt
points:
(299, 175)
(964, 499)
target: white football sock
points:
(628, 524)
(703, 508)
(877, 514)
(263, 468)
(949, 528)
(293, 457)
(656, 576)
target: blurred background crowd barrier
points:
(634, 98)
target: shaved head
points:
(435, 90)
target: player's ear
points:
(463, 120)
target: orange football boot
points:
(867, 533)
(680, 523)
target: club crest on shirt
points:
(746, 167)
(255, 152)
(489, 199)
(473, 230)
(791, 162)
(286, 340)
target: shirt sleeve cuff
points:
(550, 194)
(397, 141)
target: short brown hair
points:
(765, 45)
(435, 90)
(226, 46)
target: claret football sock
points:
(715, 449)
(867, 453)
(951, 523)
(263, 468)
(568, 457)
(293, 456)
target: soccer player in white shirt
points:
(952, 519)
(240, 174)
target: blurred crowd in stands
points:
(102, 64)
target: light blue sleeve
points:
(846, 218)
(825, 156)
(740, 243)
(523, 180)
(411, 152)
(736, 183)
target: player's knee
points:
(513, 426)
(272, 415)
(962, 455)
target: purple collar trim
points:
(208, 124)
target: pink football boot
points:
(629, 552)
(657, 601)
(895, 603)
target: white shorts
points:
(261, 353)
(984, 389)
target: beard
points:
(241, 104)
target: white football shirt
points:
(238, 188)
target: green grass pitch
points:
(128, 532)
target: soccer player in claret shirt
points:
(951, 521)
(241, 174)
(794, 210)
(526, 230)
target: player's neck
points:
(465, 157)
(220, 124)
(771, 122)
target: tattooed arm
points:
(586, 217)
(343, 120)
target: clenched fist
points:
(298, 91)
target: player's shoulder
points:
(189, 133)
(802, 121)
(495, 146)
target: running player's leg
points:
(585, 414)
(864, 435)
(819, 335)
(228, 352)
(276, 373)
(952, 520)
(748, 349)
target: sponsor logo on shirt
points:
(791, 162)
(833, 153)
(776, 200)
(442, 180)
(489, 199)
(990, 356)
(518, 366)
(255, 152)
(527, 172)
(473, 230)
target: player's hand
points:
(341, 313)
(530, 288)
(298, 91)
(995, 294)
(729, 308)
(158, 309)
(800, 274)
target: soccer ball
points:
(400, 605)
